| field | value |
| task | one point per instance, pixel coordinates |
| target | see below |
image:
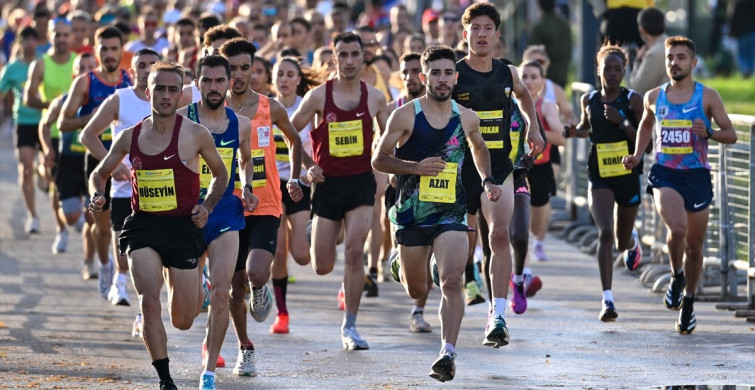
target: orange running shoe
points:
(221, 361)
(280, 325)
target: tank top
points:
(56, 80)
(131, 110)
(70, 145)
(545, 156)
(517, 127)
(488, 94)
(609, 144)
(550, 91)
(265, 180)
(424, 200)
(281, 148)
(161, 183)
(342, 142)
(98, 91)
(676, 146)
(227, 143)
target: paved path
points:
(56, 332)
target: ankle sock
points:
(518, 278)
(163, 369)
(418, 309)
(607, 295)
(499, 306)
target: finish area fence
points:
(729, 247)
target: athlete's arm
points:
(279, 117)
(187, 97)
(118, 150)
(645, 132)
(527, 107)
(581, 130)
(45, 126)
(246, 164)
(480, 153)
(106, 113)
(564, 109)
(379, 103)
(310, 105)
(68, 121)
(550, 114)
(31, 90)
(715, 109)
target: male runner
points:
(430, 138)
(163, 237)
(485, 86)
(344, 186)
(680, 181)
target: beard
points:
(417, 92)
(213, 105)
(441, 98)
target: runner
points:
(610, 117)
(230, 133)
(430, 138)
(680, 181)
(163, 237)
(344, 186)
(485, 85)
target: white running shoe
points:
(138, 327)
(261, 303)
(60, 244)
(32, 225)
(352, 340)
(89, 271)
(118, 294)
(105, 278)
(418, 324)
(245, 363)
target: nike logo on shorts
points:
(698, 205)
(225, 229)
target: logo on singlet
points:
(331, 117)
(462, 96)
(688, 110)
(662, 111)
(225, 143)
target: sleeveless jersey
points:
(342, 142)
(56, 80)
(609, 143)
(70, 145)
(98, 91)
(281, 148)
(227, 144)
(131, 110)
(517, 127)
(676, 146)
(488, 94)
(425, 200)
(161, 183)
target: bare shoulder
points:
(183, 111)
(375, 95)
(402, 114)
(467, 115)
(243, 120)
(710, 93)
(652, 95)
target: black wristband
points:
(488, 179)
(710, 132)
(249, 187)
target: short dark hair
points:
(288, 51)
(213, 61)
(221, 31)
(406, 57)
(186, 22)
(236, 46)
(123, 27)
(652, 21)
(108, 32)
(148, 51)
(481, 9)
(546, 5)
(348, 37)
(679, 40)
(166, 67)
(609, 49)
(28, 32)
(302, 21)
(437, 52)
(208, 21)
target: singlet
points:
(98, 91)
(70, 145)
(676, 146)
(56, 80)
(609, 143)
(281, 148)
(161, 183)
(131, 110)
(488, 94)
(517, 127)
(227, 143)
(342, 142)
(545, 156)
(550, 91)
(425, 200)
(265, 180)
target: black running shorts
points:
(177, 240)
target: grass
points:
(737, 93)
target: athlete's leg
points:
(376, 229)
(625, 217)
(147, 276)
(414, 268)
(297, 237)
(101, 234)
(222, 253)
(26, 156)
(697, 225)
(539, 218)
(237, 306)
(484, 235)
(498, 215)
(601, 202)
(449, 248)
(519, 231)
(670, 206)
(357, 224)
(323, 250)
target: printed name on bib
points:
(205, 175)
(346, 139)
(610, 157)
(441, 188)
(259, 178)
(676, 136)
(157, 190)
(490, 128)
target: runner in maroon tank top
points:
(164, 230)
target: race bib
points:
(441, 188)
(346, 139)
(76, 146)
(157, 190)
(107, 135)
(490, 128)
(205, 175)
(259, 178)
(514, 144)
(676, 136)
(610, 156)
(281, 148)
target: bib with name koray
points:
(676, 146)
(609, 143)
(227, 143)
(432, 200)
(161, 183)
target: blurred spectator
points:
(240, 23)
(317, 22)
(15, 18)
(40, 21)
(183, 37)
(301, 39)
(500, 48)
(260, 37)
(414, 43)
(741, 27)
(400, 26)
(262, 77)
(648, 69)
(148, 21)
(619, 24)
(338, 19)
(553, 31)
(430, 25)
(206, 22)
(81, 24)
(448, 26)
(323, 61)
(550, 91)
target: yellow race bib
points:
(205, 175)
(259, 178)
(514, 144)
(346, 139)
(441, 188)
(157, 190)
(676, 136)
(281, 148)
(610, 156)
(490, 128)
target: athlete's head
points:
(240, 55)
(80, 22)
(481, 22)
(611, 61)
(438, 71)
(109, 49)
(262, 76)
(680, 57)
(410, 68)
(289, 78)
(533, 76)
(538, 54)
(29, 39)
(213, 73)
(61, 34)
(165, 87)
(83, 64)
(217, 36)
(349, 54)
(140, 64)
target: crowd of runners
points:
(201, 153)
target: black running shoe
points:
(370, 285)
(608, 313)
(168, 385)
(673, 297)
(444, 369)
(686, 323)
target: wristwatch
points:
(710, 132)
(249, 187)
(626, 123)
(488, 180)
(296, 181)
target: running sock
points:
(538, 242)
(499, 305)
(527, 271)
(688, 294)
(518, 278)
(418, 309)
(121, 277)
(607, 295)
(448, 348)
(210, 373)
(162, 368)
(349, 320)
(279, 288)
(373, 272)
(469, 273)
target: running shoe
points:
(395, 266)
(60, 244)
(219, 363)
(673, 298)
(105, 278)
(206, 287)
(341, 297)
(686, 323)
(496, 333)
(32, 225)
(245, 362)
(472, 294)
(89, 270)
(418, 324)
(207, 382)
(540, 252)
(352, 340)
(370, 285)
(532, 284)
(291, 279)
(608, 312)
(168, 385)
(519, 301)
(261, 303)
(280, 325)
(118, 294)
(444, 369)
(137, 329)
(633, 257)
(477, 277)
(434, 270)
